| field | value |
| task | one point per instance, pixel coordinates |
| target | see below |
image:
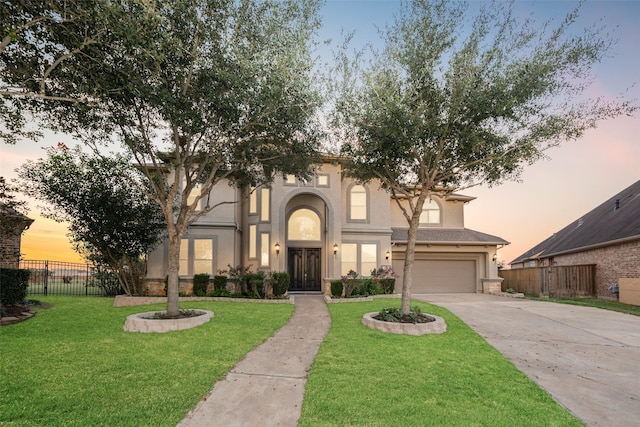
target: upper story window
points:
(289, 179)
(304, 224)
(253, 201)
(193, 194)
(430, 213)
(264, 204)
(322, 180)
(357, 203)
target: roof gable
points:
(616, 219)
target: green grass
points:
(363, 377)
(56, 286)
(597, 303)
(73, 365)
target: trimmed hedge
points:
(365, 287)
(14, 285)
(200, 283)
(280, 282)
(336, 288)
(219, 283)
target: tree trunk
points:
(407, 275)
(410, 254)
(173, 276)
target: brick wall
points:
(612, 263)
(10, 249)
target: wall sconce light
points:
(495, 257)
(387, 255)
(277, 248)
(335, 248)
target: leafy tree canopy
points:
(196, 91)
(455, 100)
(111, 221)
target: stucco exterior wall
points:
(451, 214)
(612, 263)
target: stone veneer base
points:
(438, 326)
(142, 322)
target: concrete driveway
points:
(587, 359)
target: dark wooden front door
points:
(304, 268)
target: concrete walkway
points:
(266, 388)
(588, 359)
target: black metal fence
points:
(61, 278)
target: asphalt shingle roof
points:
(448, 236)
(615, 220)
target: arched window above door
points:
(304, 224)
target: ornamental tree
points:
(454, 101)
(195, 92)
(112, 223)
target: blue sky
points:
(578, 177)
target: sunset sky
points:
(578, 176)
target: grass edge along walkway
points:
(363, 377)
(73, 365)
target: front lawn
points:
(73, 365)
(363, 377)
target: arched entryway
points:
(305, 237)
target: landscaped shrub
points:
(237, 275)
(14, 285)
(256, 282)
(385, 277)
(219, 283)
(280, 281)
(365, 287)
(394, 314)
(108, 282)
(349, 282)
(336, 288)
(200, 283)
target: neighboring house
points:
(12, 225)
(318, 230)
(608, 236)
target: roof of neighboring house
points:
(615, 221)
(463, 236)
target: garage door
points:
(434, 276)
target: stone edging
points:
(10, 320)
(141, 322)
(508, 294)
(330, 300)
(127, 301)
(436, 327)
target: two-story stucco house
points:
(318, 230)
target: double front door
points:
(304, 268)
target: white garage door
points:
(435, 276)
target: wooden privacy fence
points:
(564, 281)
